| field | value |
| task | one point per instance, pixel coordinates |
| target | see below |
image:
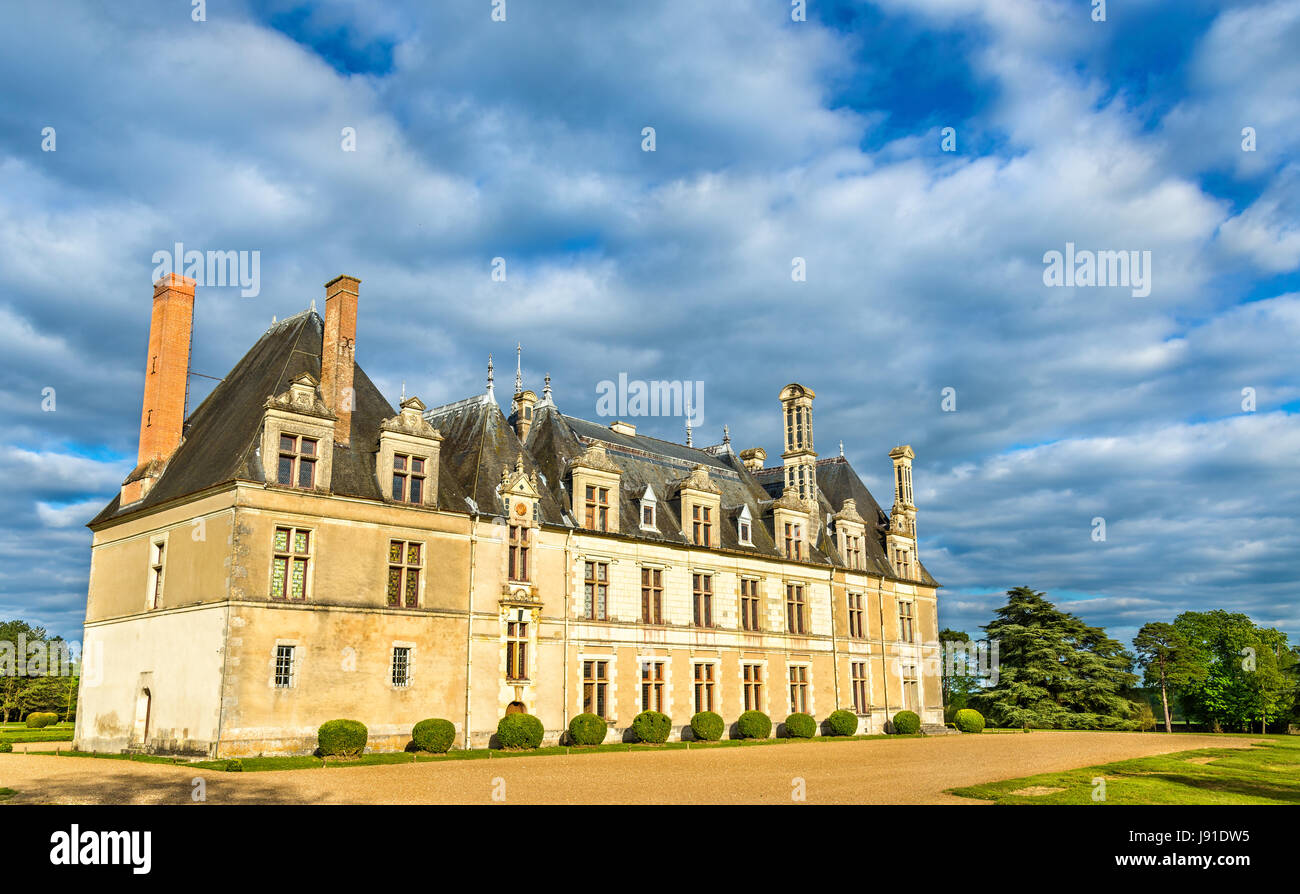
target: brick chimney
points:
(338, 347)
(162, 414)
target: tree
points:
(1167, 660)
(22, 688)
(1246, 670)
(962, 670)
(1055, 671)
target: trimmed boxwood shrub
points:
(968, 720)
(754, 725)
(652, 727)
(906, 723)
(434, 735)
(342, 738)
(234, 765)
(588, 729)
(707, 726)
(800, 726)
(5, 748)
(842, 723)
(520, 731)
(41, 719)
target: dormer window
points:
(408, 478)
(745, 527)
(649, 510)
(298, 457)
(853, 550)
(597, 507)
(793, 541)
(702, 525)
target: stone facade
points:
(279, 607)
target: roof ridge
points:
(699, 450)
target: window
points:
(408, 478)
(517, 650)
(648, 516)
(596, 594)
(404, 564)
(853, 550)
(284, 667)
(401, 666)
(857, 629)
(742, 531)
(753, 679)
(595, 685)
(597, 508)
(652, 595)
(520, 537)
(794, 608)
(156, 562)
(748, 604)
(911, 688)
(702, 591)
(858, 679)
(703, 687)
(702, 524)
(297, 461)
(905, 621)
(289, 563)
(903, 558)
(652, 686)
(798, 689)
(793, 541)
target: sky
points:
(923, 315)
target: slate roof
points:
(223, 435)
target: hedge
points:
(588, 729)
(520, 731)
(5, 748)
(434, 735)
(968, 720)
(842, 723)
(652, 727)
(234, 765)
(342, 738)
(800, 726)
(707, 726)
(754, 725)
(906, 723)
(41, 719)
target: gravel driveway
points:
(900, 771)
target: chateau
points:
(299, 550)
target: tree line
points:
(31, 678)
(1220, 669)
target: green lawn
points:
(18, 732)
(6, 794)
(1266, 773)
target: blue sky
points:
(775, 139)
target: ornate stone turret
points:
(901, 537)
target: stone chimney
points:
(162, 414)
(337, 355)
